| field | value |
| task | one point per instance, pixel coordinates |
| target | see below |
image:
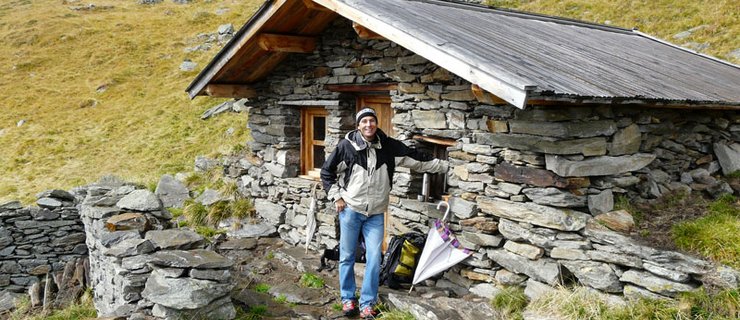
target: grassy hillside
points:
(719, 20)
(101, 92)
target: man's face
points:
(367, 126)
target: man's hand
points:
(340, 205)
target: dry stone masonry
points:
(140, 266)
(39, 241)
(527, 186)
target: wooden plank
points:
(309, 103)
(486, 97)
(370, 87)
(440, 141)
(230, 91)
(365, 33)
(315, 6)
(616, 102)
(286, 43)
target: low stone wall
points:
(140, 266)
(37, 241)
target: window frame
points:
(308, 168)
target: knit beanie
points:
(364, 113)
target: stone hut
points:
(546, 121)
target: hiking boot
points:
(368, 313)
(350, 308)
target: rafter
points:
(365, 33)
(486, 97)
(286, 43)
(315, 6)
(230, 91)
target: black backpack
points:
(401, 258)
(333, 255)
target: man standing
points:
(358, 177)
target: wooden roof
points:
(518, 57)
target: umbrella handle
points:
(447, 211)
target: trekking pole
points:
(412, 289)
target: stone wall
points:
(527, 185)
(38, 241)
(139, 266)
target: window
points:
(313, 133)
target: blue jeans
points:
(351, 223)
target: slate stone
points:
(175, 239)
(563, 253)
(554, 197)
(183, 293)
(620, 220)
(541, 237)
(585, 129)
(41, 214)
(239, 244)
(109, 239)
(8, 300)
(430, 119)
(586, 147)
(535, 289)
(219, 309)
(270, 211)
(508, 278)
(129, 247)
(626, 141)
(597, 166)
(544, 269)
(463, 209)
(655, 284)
(526, 250)
(128, 221)
(479, 239)
(48, 203)
(601, 202)
(485, 290)
(172, 192)
(596, 275)
(221, 275)
(663, 272)
(56, 194)
(528, 175)
(481, 224)
(560, 219)
(253, 231)
(10, 205)
(728, 157)
(140, 200)
(198, 258)
(442, 308)
(209, 197)
(69, 240)
(637, 293)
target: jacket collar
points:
(357, 141)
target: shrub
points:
(262, 288)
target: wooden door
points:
(382, 106)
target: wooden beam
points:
(284, 43)
(370, 87)
(441, 141)
(486, 97)
(230, 91)
(315, 6)
(365, 33)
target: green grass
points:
(254, 313)
(581, 303)
(281, 298)
(310, 280)
(139, 125)
(511, 301)
(716, 235)
(262, 287)
(659, 18)
(208, 232)
(84, 309)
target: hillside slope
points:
(98, 90)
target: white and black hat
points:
(364, 113)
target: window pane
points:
(319, 129)
(318, 156)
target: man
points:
(358, 177)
